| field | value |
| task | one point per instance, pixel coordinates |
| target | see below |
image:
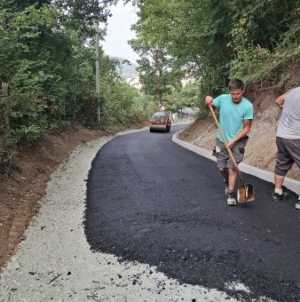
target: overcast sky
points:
(118, 32)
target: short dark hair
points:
(235, 84)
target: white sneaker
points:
(297, 204)
(231, 201)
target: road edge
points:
(289, 183)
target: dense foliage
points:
(47, 59)
(47, 56)
(212, 41)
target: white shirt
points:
(289, 123)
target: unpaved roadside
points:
(55, 263)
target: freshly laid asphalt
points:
(150, 200)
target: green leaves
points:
(49, 68)
(213, 40)
(159, 74)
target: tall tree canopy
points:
(206, 38)
(47, 58)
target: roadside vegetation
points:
(47, 55)
(47, 59)
(211, 41)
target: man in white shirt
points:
(287, 140)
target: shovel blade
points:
(245, 193)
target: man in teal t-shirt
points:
(235, 118)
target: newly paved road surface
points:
(152, 201)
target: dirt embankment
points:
(261, 148)
(25, 181)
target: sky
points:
(118, 32)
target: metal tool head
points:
(245, 193)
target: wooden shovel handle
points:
(225, 142)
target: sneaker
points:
(226, 187)
(297, 204)
(277, 196)
(231, 201)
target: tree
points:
(48, 74)
(158, 73)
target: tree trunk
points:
(6, 124)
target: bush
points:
(28, 134)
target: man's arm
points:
(208, 101)
(241, 134)
(280, 100)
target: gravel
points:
(54, 261)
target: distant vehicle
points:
(160, 121)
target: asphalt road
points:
(152, 201)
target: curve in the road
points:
(152, 201)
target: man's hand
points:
(208, 100)
(229, 144)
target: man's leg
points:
(278, 181)
(231, 201)
(232, 179)
(229, 174)
(222, 159)
(297, 204)
(278, 193)
(283, 163)
(224, 172)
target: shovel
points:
(245, 193)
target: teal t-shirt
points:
(232, 115)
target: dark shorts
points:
(238, 150)
(288, 153)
